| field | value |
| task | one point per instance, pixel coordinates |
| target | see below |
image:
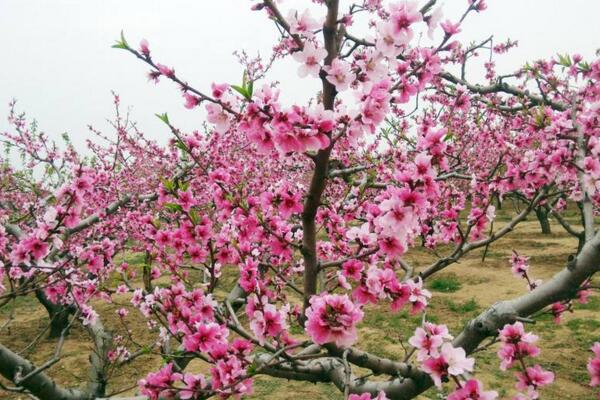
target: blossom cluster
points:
(517, 346)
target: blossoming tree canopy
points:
(268, 235)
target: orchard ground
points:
(460, 292)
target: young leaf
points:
(173, 207)
(163, 117)
(250, 89)
(169, 185)
(194, 217)
(240, 90)
(121, 44)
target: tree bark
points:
(40, 385)
(542, 216)
(58, 314)
(321, 160)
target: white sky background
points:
(56, 58)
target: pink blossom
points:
(228, 372)
(191, 101)
(428, 339)
(520, 265)
(403, 15)
(451, 361)
(419, 297)
(303, 24)
(186, 200)
(534, 378)
(557, 310)
(423, 166)
(332, 318)
(593, 365)
(352, 269)
(515, 333)
(218, 116)
(361, 234)
(339, 74)
(516, 344)
(35, 247)
(391, 246)
(268, 322)
(82, 184)
(163, 238)
(144, 47)
(583, 295)
(450, 28)
(310, 60)
(406, 90)
(366, 396)
(89, 316)
(425, 344)
(194, 384)
(433, 21)
(473, 390)
(218, 90)
(386, 42)
(249, 275)
(398, 219)
(291, 203)
(197, 254)
(596, 349)
(205, 337)
(157, 384)
(166, 71)
(287, 142)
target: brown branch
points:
(464, 249)
(321, 161)
(502, 87)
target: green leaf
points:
(251, 369)
(247, 87)
(448, 136)
(181, 145)
(123, 39)
(250, 89)
(240, 90)
(173, 207)
(585, 66)
(121, 44)
(163, 117)
(194, 217)
(183, 186)
(564, 60)
(169, 185)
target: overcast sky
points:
(57, 59)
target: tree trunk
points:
(542, 216)
(59, 315)
(581, 242)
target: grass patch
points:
(446, 284)
(585, 324)
(592, 304)
(27, 301)
(466, 307)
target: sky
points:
(58, 63)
